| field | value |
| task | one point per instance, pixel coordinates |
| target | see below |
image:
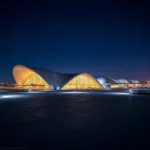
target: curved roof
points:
(134, 81)
(86, 75)
(108, 82)
(21, 73)
(54, 79)
(103, 80)
(122, 81)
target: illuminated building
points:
(108, 83)
(136, 83)
(125, 83)
(38, 78)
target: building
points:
(136, 83)
(108, 83)
(38, 78)
(125, 83)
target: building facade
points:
(39, 78)
(108, 83)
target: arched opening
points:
(28, 79)
(114, 84)
(82, 82)
(36, 82)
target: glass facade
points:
(115, 86)
(83, 81)
(35, 81)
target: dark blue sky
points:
(111, 39)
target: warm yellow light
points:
(28, 78)
(35, 81)
(115, 86)
(83, 81)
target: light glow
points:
(82, 82)
(28, 79)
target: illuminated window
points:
(115, 86)
(35, 81)
(83, 81)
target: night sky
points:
(104, 39)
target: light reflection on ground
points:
(84, 118)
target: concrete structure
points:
(108, 83)
(125, 83)
(136, 83)
(39, 78)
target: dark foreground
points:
(94, 120)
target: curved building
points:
(136, 83)
(39, 78)
(125, 83)
(108, 83)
